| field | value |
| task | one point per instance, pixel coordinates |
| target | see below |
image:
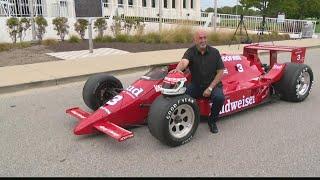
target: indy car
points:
(158, 100)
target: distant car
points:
(158, 100)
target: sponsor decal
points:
(231, 58)
(157, 88)
(145, 77)
(225, 71)
(105, 109)
(106, 130)
(277, 67)
(230, 106)
(174, 106)
(173, 80)
(134, 91)
(78, 114)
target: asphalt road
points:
(275, 139)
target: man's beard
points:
(202, 46)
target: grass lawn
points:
(318, 28)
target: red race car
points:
(158, 98)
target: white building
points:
(181, 9)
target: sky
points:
(209, 3)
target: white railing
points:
(175, 16)
(21, 8)
(271, 24)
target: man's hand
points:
(175, 70)
(207, 92)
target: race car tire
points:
(296, 82)
(99, 89)
(173, 119)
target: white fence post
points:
(90, 35)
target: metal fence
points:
(22, 8)
(175, 16)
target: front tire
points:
(99, 89)
(174, 119)
(296, 83)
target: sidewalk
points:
(20, 77)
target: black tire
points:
(289, 86)
(99, 89)
(160, 119)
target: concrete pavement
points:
(20, 77)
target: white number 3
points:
(114, 100)
(239, 68)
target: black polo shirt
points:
(204, 67)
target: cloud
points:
(209, 3)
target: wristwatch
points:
(210, 88)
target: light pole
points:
(160, 16)
(33, 27)
(215, 15)
(90, 35)
(237, 7)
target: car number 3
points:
(239, 68)
(114, 100)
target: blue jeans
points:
(217, 98)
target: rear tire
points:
(296, 82)
(174, 119)
(99, 89)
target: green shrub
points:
(100, 25)
(318, 27)
(22, 45)
(41, 27)
(24, 25)
(13, 25)
(183, 35)
(61, 26)
(122, 38)
(74, 39)
(8, 46)
(81, 26)
(128, 24)
(218, 38)
(49, 42)
(151, 38)
(136, 38)
(213, 37)
(5, 46)
(103, 39)
(116, 27)
(139, 25)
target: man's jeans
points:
(217, 99)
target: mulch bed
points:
(130, 47)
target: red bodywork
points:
(245, 84)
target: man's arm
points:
(182, 65)
(217, 79)
(184, 62)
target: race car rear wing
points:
(297, 53)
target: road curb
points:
(66, 80)
(72, 79)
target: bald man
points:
(206, 68)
